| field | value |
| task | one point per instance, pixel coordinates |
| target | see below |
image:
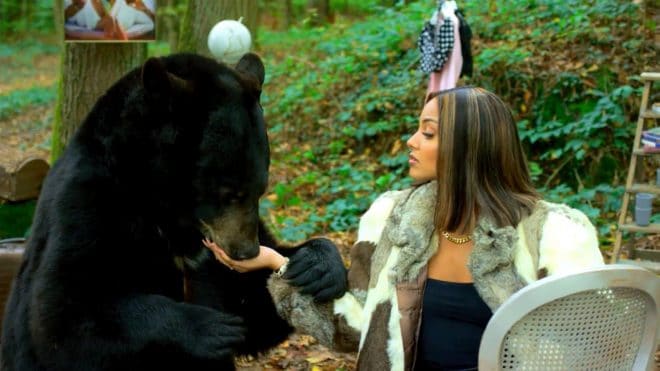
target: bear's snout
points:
(245, 250)
(235, 236)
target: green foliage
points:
(600, 203)
(502, 56)
(17, 58)
(302, 14)
(349, 91)
(158, 49)
(15, 219)
(18, 100)
(27, 16)
(576, 126)
(549, 20)
(24, 50)
(344, 97)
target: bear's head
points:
(212, 119)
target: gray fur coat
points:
(379, 314)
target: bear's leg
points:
(200, 332)
(140, 332)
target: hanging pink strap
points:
(448, 76)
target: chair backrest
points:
(604, 318)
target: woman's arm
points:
(338, 325)
(292, 289)
(73, 8)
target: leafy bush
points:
(16, 218)
(341, 100)
(18, 17)
(18, 100)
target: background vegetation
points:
(343, 94)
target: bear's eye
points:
(225, 193)
(238, 197)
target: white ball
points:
(229, 40)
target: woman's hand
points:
(267, 258)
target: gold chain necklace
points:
(459, 240)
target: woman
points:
(434, 261)
(136, 17)
(83, 18)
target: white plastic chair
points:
(604, 318)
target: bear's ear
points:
(251, 65)
(158, 82)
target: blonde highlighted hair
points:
(481, 167)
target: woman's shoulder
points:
(552, 211)
(568, 239)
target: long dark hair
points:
(481, 166)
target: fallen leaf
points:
(318, 357)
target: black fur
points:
(174, 151)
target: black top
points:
(453, 319)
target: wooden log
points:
(645, 254)
(24, 181)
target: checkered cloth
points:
(435, 44)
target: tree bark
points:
(320, 11)
(202, 16)
(168, 21)
(492, 6)
(58, 17)
(9, 13)
(651, 9)
(87, 70)
(288, 14)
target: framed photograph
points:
(109, 20)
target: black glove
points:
(317, 268)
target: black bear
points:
(115, 276)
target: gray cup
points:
(642, 216)
(644, 200)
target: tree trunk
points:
(320, 11)
(651, 16)
(492, 6)
(9, 13)
(25, 11)
(162, 20)
(87, 70)
(168, 21)
(288, 14)
(58, 16)
(202, 16)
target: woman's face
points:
(423, 145)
